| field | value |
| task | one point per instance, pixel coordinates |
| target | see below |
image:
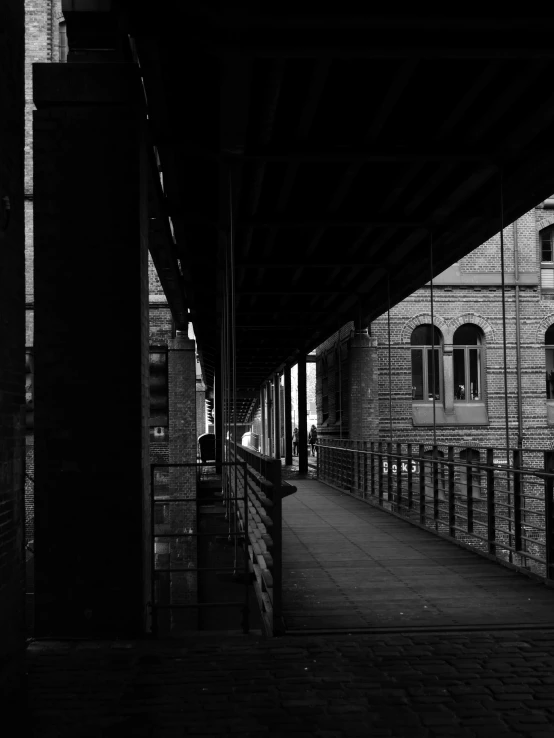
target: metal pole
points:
(518, 341)
(432, 342)
(504, 326)
(389, 351)
(234, 355)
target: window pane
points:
(417, 374)
(433, 377)
(547, 279)
(549, 336)
(550, 374)
(467, 335)
(474, 378)
(459, 374)
(422, 336)
(546, 249)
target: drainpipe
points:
(518, 341)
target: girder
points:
(332, 147)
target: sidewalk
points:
(486, 685)
(349, 565)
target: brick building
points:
(370, 388)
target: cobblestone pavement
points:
(493, 684)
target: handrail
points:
(502, 511)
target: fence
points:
(175, 534)
(467, 494)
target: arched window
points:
(549, 355)
(426, 373)
(467, 364)
(546, 237)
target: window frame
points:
(466, 347)
(426, 349)
(545, 264)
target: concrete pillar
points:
(277, 415)
(363, 378)
(302, 417)
(288, 417)
(92, 506)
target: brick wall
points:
(12, 353)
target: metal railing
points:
(181, 581)
(470, 495)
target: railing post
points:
(517, 499)
(436, 486)
(421, 484)
(549, 512)
(491, 510)
(389, 478)
(451, 493)
(398, 477)
(364, 491)
(380, 471)
(410, 478)
(469, 490)
(372, 468)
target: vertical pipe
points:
(433, 342)
(503, 282)
(389, 354)
(518, 341)
(234, 361)
(288, 417)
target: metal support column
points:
(302, 416)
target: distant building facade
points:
(447, 371)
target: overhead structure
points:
(333, 146)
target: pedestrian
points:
(295, 442)
(312, 438)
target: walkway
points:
(348, 565)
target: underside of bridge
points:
(316, 156)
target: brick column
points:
(182, 481)
(277, 415)
(92, 503)
(288, 417)
(363, 370)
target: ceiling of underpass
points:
(325, 152)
